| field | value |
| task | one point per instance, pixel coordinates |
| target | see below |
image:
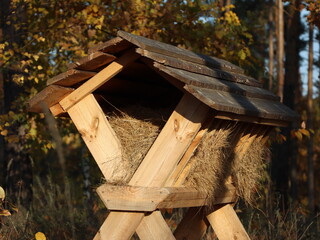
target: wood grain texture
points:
(227, 225)
(154, 227)
(172, 51)
(51, 95)
(242, 105)
(98, 135)
(92, 62)
(214, 83)
(198, 68)
(148, 199)
(114, 45)
(70, 77)
(163, 156)
(98, 80)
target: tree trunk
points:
(292, 93)
(271, 47)
(16, 164)
(310, 123)
(284, 166)
(280, 49)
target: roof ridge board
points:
(197, 68)
(114, 45)
(242, 105)
(70, 77)
(92, 61)
(173, 51)
(203, 81)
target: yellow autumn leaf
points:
(40, 236)
(4, 132)
(39, 67)
(2, 194)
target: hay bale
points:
(137, 128)
(248, 171)
(209, 165)
(215, 161)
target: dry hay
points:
(215, 160)
(209, 165)
(212, 163)
(136, 128)
(247, 172)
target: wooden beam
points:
(98, 80)
(98, 135)
(114, 45)
(51, 95)
(256, 120)
(154, 227)
(70, 77)
(162, 158)
(226, 224)
(136, 198)
(92, 62)
(193, 225)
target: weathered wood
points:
(173, 51)
(226, 224)
(98, 135)
(162, 158)
(256, 120)
(213, 83)
(198, 68)
(193, 226)
(114, 45)
(92, 62)
(51, 95)
(98, 80)
(229, 102)
(70, 77)
(147, 199)
(154, 227)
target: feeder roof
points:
(216, 82)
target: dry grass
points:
(213, 162)
(137, 128)
(209, 165)
(248, 171)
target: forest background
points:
(38, 38)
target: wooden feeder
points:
(199, 94)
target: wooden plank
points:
(198, 68)
(226, 224)
(114, 45)
(122, 229)
(51, 95)
(227, 85)
(154, 227)
(256, 120)
(172, 180)
(70, 77)
(98, 80)
(92, 62)
(56, 110)
(193, 226)
(172, 51)
(241, 105)
(98, 135)
(148, 199)
(160, 161)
